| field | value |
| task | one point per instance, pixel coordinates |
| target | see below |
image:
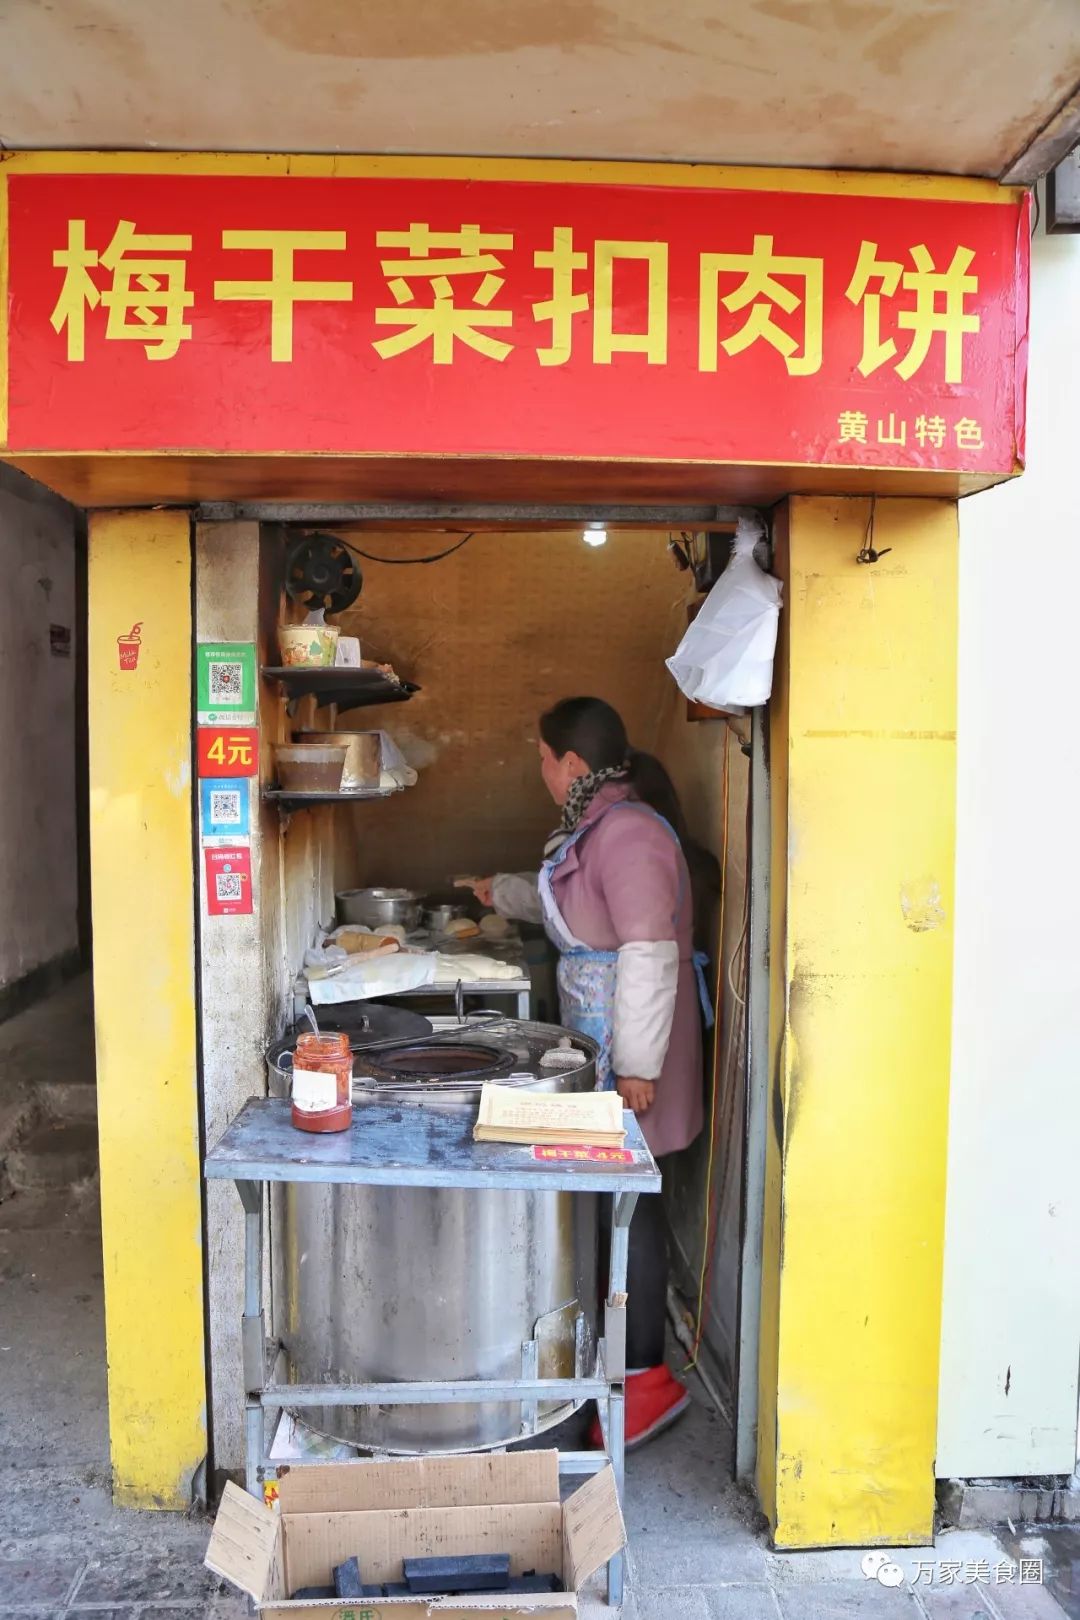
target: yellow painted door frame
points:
(863, 778)
(143, 885)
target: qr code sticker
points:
(228, 885)
(225, 808)
(226, 683)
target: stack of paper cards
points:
(586, 1118)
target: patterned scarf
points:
(583, 790)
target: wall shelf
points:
(291, 797)
(348, 688)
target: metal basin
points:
(375, 908)
(386, 1283)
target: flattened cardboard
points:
(530, 1532)
(593, 1529)
(357, 1487)
(244, 1545)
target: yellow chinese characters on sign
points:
(451, 287)
(932, 432)
(442, 322)
(653, 341)
(762, 291)
(938, 309)
(282, 291)
(564, 302)
(146, 298)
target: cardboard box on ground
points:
(384, 1512)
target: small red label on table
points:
(583, 1155)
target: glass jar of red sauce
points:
(322, 1083)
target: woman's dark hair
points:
(654, 787)
(590, 727)
(593, 729)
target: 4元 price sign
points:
(560, 317)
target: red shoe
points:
(654, 1401)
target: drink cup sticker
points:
(129, 647)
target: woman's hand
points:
(481, 887)
(638, 1095)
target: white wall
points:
(38, 864)
(1011, 1327)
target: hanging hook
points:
(868, 554)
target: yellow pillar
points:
(144, 993)
(863, 761)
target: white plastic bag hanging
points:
(725, 659)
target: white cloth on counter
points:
(516, 895)
(473, 968)
(646, 984)
(361, 979)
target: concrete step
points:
(53, 1156)
(68, 1101)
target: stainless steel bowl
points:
(373, 908)
(437, 917)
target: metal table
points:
(426, 1147)
(457, 989)
(509, 951)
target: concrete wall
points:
(1011, 1329)
(858, 86)
(38, 861)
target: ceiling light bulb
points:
(595, 536)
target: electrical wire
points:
(405, 562)
(706, 1243)
(737, 952)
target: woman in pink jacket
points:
(614, 896)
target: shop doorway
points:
(492, 625)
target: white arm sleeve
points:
(646, 982)
(516, 895)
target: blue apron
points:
(586, 978)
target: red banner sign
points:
(433, 317)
